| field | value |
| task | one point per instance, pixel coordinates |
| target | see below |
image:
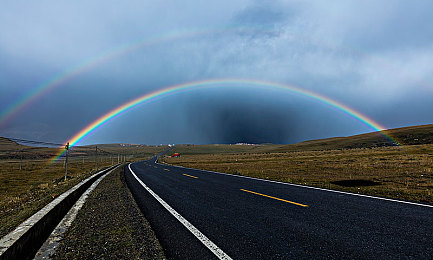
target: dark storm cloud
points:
(232, 121)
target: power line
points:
(33, 142)
(76, 148)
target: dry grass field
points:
(23, 192)
(367, 163)
(29, 184)
(402, 172)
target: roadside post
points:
(66, 160)
(96, 157)
(21, 160)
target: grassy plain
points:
(402, 172)
(30, 183)
(368, 163)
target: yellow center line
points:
(166, 170)
(190, 176)
(275, 198)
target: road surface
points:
(206, 215)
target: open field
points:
(402, 172)
(192, 149)
(363, 163)
(29, 180)
(412, 135)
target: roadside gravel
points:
(110, 226)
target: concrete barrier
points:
(27, 238)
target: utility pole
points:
(96, 157)
(66, 160)
(21, 160)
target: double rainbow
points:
(50, 84)
(175, 89)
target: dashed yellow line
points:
(275, 198)
(166, 170)
(190, 176)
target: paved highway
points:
(205, 215)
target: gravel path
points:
(110, 226)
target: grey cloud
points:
(373, 56)
(264, 15)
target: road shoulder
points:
(110, 225)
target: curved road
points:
(246, 218)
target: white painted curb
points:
(10, 239)
(50, 245)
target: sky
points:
(373, 56)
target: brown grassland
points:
(360, 164)
(368, 163)
(25, 191)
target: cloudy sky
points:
(374, 56)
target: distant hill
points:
(412, 135)
(6, 144)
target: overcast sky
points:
(374, 56)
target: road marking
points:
(308, 187)
(275, 198)
(209, 244)
(166, 170)
(190, 176)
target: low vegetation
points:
(23, 192)
(368, 163)
(402, 172)
(29, 180)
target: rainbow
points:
(94, 61)
(50, 84)
(213, 83)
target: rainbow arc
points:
(213, 83)
(93, 61)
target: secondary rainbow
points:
(50, 84)
(238, 83)
(103, 57)
(71, 72)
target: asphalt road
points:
(256, 219)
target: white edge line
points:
(209, 244)
(307, 187)
(50, 245)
